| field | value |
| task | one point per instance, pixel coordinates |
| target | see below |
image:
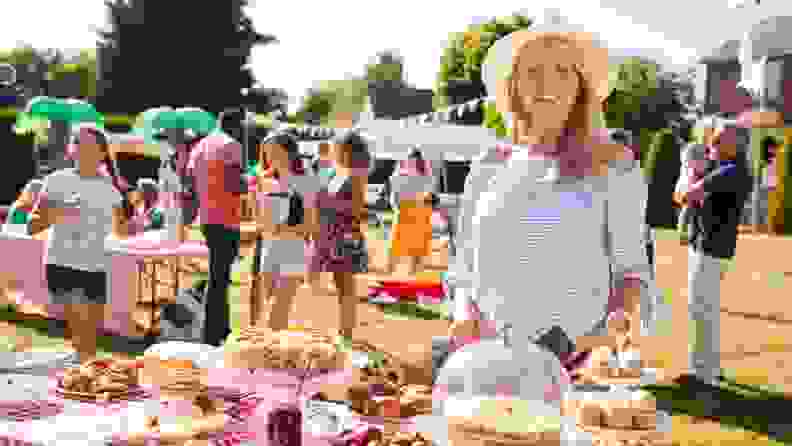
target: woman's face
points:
(546, 82)
(90, 151)
(324, 151)
(338, 154)
(135, 197)
(26, 198)
(277, 156)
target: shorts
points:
(64, 282)
(283, 256)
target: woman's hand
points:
(679, 198)
(464, 329)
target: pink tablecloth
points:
(26, 267)
(26, 433)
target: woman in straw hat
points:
(564, 213)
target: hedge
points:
(662, 171)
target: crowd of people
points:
(560, 206)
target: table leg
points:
(177, 276)
(141, 271)
(153, 296)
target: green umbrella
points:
(72, 111)
(61, 113)
(188, 118)
(143, 124)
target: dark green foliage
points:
(317, 106)
(662, 172)
(176, 53)
(18, 168)
(494, 120)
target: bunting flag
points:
(448, 114)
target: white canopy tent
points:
(438, 141)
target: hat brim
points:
(594, 60)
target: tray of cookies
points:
(100, 381)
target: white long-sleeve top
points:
(543, 252)
(482, 170)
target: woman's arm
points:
(120, 222)
(264, 214)
(359, 208)
(393, 197)
(626, 208)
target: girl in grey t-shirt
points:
(86, 208)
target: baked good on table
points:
(401, 439)
(206, 419)
(388, 399)
(504, 423)
(304, 349)
(98, 378)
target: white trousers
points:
(704, 277)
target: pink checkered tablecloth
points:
(20, 421)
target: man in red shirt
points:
(216, 168)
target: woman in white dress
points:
(285, 214)
(557, 229)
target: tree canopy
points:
(175, 53)
(348, 96)
(465, 52)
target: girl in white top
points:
(283, 253)
(86, 207)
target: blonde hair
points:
(581, 117)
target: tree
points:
(662, 172)
(333, 97)
(388, 66)
(76, 77)
(267, 100)
(644, 96)
(175, 53)
(316, 106)
(33, 66)
(462, 58)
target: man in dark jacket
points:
(717, 201)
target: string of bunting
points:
(309, 133)
(449, 114)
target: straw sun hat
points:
(593, 60)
